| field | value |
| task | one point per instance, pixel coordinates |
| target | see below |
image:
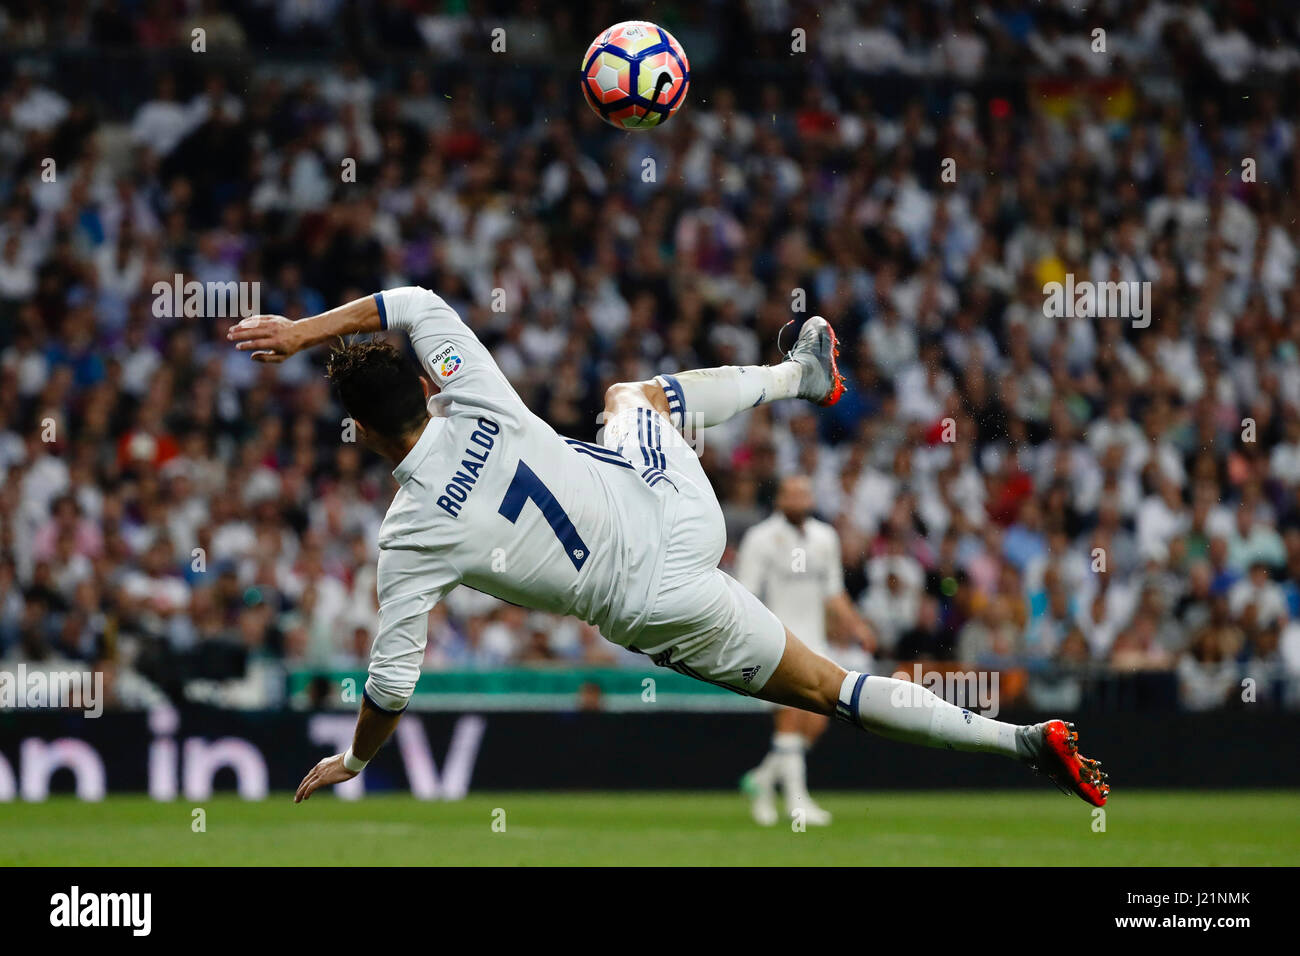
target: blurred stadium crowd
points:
(1050, 494)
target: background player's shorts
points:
(703, 622)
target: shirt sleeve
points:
(750, 563)
(450, 352)
(834, 564)
(410, 583)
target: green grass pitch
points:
(1037, 828)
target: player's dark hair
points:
(378, 386)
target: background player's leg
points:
(794, 772)
(785, 766)
(887, 706)
(774, 770)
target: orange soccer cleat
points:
(816, 350)
(1053, 749)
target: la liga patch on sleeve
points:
(446, 361)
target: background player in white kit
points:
(626, 536)
(791, 562)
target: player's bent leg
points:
(624, 395)
(710, 396)
(638, 424)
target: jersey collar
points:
(801, 530)
(420, 450)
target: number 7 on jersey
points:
(526, 486)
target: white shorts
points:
(703, 623)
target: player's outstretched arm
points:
(846, 617)
(273, 338)
(374, 726)
(409, 584)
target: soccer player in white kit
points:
(625, 535)
(791, 562)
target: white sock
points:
(791, 769)
(710, 396)
(904, 711)
(771, 765)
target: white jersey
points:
(794, 571)
(492, 498)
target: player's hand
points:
(867, 638)
(271, 338)
(325, 774)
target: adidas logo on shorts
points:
(749, 673)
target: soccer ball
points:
(635, 75)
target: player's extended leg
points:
(902, 710)
(892, 708)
